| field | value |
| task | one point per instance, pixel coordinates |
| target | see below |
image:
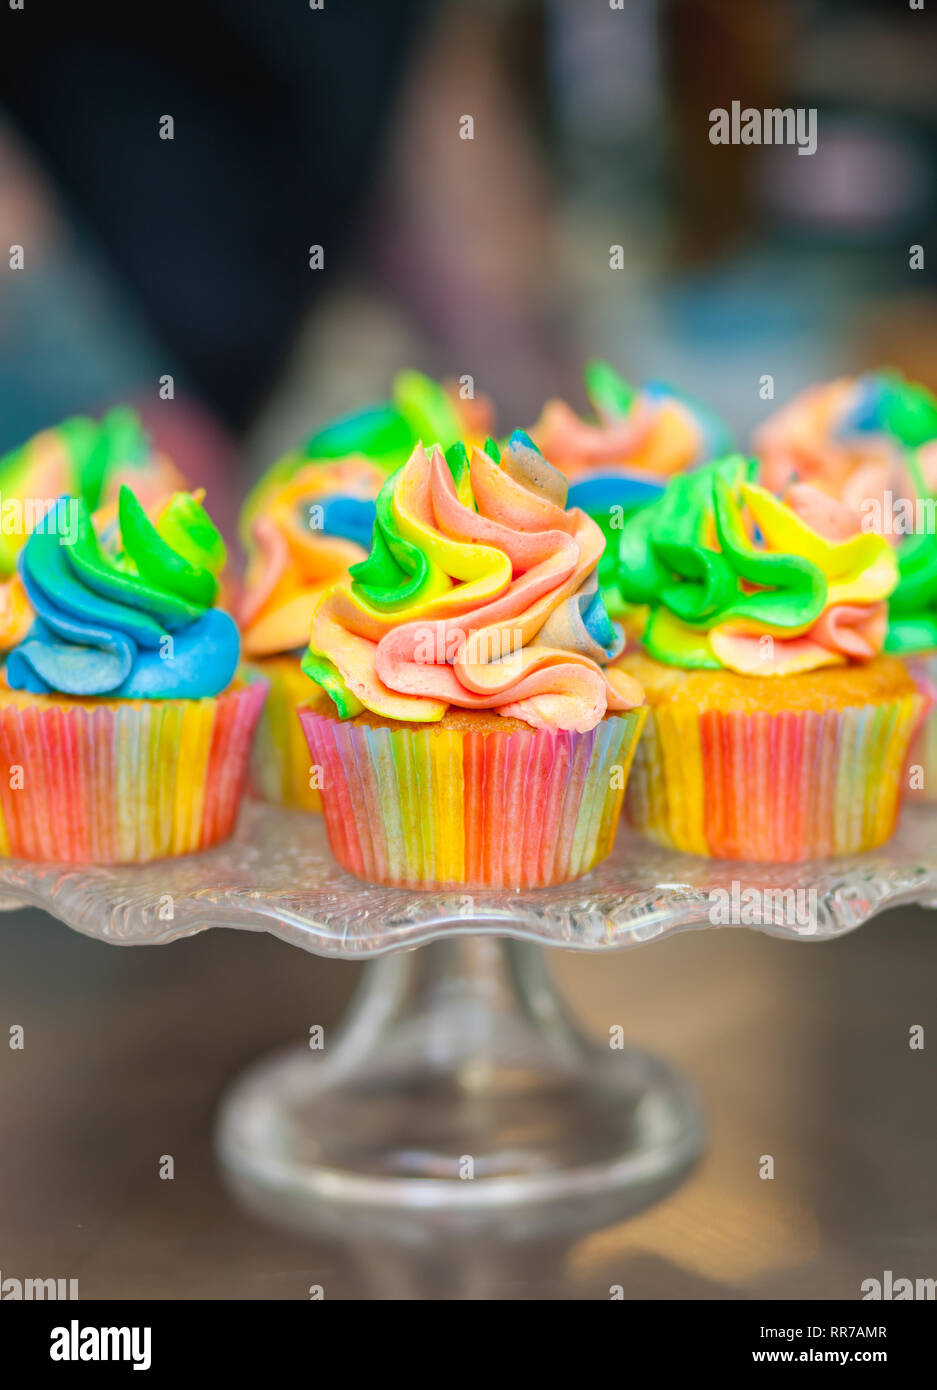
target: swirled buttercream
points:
(128, 613)
(383, 435)
(90, 459)
(849, 437)
(311, 531)
(642, 433)
(479, 593)
(83, 458)
(620, 460)
(736, 578)
(311, 516)
(871, 442)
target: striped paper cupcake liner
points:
(783, 787)
(921, 772)
(116, 782)
(440, 807)
(280, 769)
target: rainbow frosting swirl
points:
(642, 434)
(480, 592)
(871, 442)
(90, 459)
(735, 578)
(311, 516)
(312, 530)
(851, 438)
(621, 460)
(383, 436)
(128, 614)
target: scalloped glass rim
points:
(276, 874)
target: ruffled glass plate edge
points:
(276, 875)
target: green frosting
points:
(908, 411)
(665, 561)
(325, 674)
(93, 450)
(388, 431)
(150, 573)
(460, 465)
(608, 392)
(912, 609)
(396, 572)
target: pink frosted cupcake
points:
(475, 737)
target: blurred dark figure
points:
(278, 110)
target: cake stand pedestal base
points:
(460, 1090)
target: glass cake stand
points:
(459, 1088)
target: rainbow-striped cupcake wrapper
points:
(114, 782)
(783, 787)
(280, 769)
(438, 807)
(921, 772)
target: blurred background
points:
(189, 256)
(342, 128)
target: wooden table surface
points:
(801, 1051)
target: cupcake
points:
(311, 530)
(777, 729)
(912, 635)
(123, 718)
(855, 438)
(305, 523)
(621, 460)
(871, 442)
(473, 736)
(89, 459)
(384, 434)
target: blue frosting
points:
(600, 627)
(599, 492)
(83, 643)
(869, 413)
(351, 518)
